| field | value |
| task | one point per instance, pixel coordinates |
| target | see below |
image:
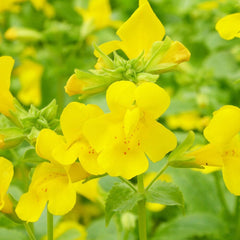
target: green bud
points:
(178, 157)
(32, 136)
(11, 137)
(128, 221)
(156, 53)
(147, 77)
(50, 111)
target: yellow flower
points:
(187, 121)
(52, 183)
(6, 98)
(99, 14)
(6, 175)
(139, 33)
(29, 74)
(228, 27)
(44, 6)
(90, 189)
(10, 5)
(123, 136)
(62, 228)
(223, 149)
(67, 148)
(155, 207)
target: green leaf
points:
(120, 198)
(9, 234)
(164, 193)
(195, 225)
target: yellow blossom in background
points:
(187, 121)
(72, 145)
(139, 33)
(123, 136)
(6, 98)
(43, 5)
(223, 149)
(30, 76)
(52, 183)
(155, 207)
(228, 27)
(10, 5)
(90, 189)
(98, 14)
(69, 226)
(6, 175)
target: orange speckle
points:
(125, 153)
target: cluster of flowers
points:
(118, 143)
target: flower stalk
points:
(142, 227)
(49, 225)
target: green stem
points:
(29, 231)
(128, 183)
(220, 193)
(158, 175)
(50, 225)
(142, 227)
(237, 218)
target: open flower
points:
(52, 183)
(6, 98)
(72, 145)
(140, 32)
(6, 175)
(98, 14)
(123, 136)
(223, 149)
(229, 26)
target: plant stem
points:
(220, 193)
(29, 231)
(50, 225)
(128, 183)
(142, 227)
(237, 218)
(158, 175)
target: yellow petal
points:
(131, 120)
(152, 99)
(89, 190)
(88, 158)
(156, 140)
(29, 74)
(65, 154)
(30, 207)
(8, 205)
(224, 125)
(62, 198)
(120, 96)
(74, 86)
(46, 142)
(102, 131)
(6, 98)
(77, 173)
(229, 26)
(140, 31)
(119, 161)
(6, 174)
(208, 155)
(109, 47)
(231, 169)
(74, 116)
(177, 53)
(100, 11)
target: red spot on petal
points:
(125, 153)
